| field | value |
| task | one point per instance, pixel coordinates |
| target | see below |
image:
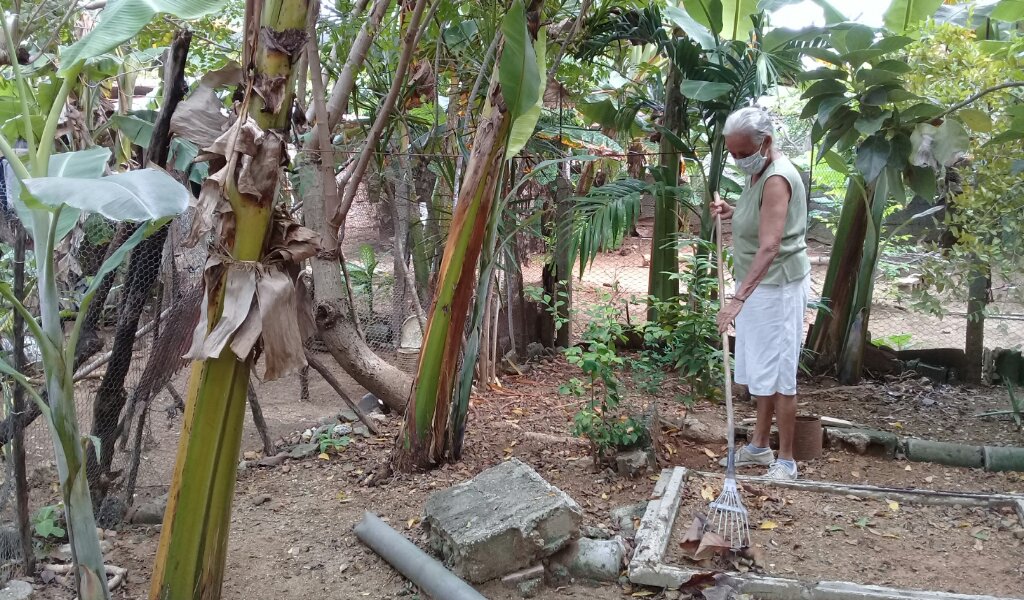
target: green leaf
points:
(694, 30)
(951, 140)
(836, 162)
(822, 73)
(139, 131)
(824, 54)
(704, 91)
(524, 125)
(708, 13)
(824, 87)
(921, 112)
(892, 43)
(904, 15)
(828, 106)
(123, 19)
(870, 125)
(894, 66)
(923, 182)
(859, 57)
(143, 195)
(872, 77)
(520, 79)
(876, 96)
(1010, 11)
(976, 119)
(872, 156)
(858, 37)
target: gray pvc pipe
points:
(430, 575)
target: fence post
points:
(974, 342)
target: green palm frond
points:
(603, 216)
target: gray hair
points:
(751, 121)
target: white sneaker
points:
(746, 458)
(781, 471)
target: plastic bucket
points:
(807, 437)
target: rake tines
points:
(728, 517)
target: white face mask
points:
(753, 164)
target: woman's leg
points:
(785, 418)
(763, 427)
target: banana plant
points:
(507, 121)
(51, 193)
(249, 302)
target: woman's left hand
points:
(727, 315)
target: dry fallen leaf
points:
(691, 541)
(643, 594)
(708, 493)
(709, 453)
(710, 544)
(768, 525)
(893, 505)
(324, 456)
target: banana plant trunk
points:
(664, 251)
(193, 545)
(424, 441)
(838, 336)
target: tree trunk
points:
(664, 251)
(28, 556)
(563, 250)
(977, 302)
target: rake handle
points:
(730, 469)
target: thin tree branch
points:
(332, 381)
(572, 35)
(383, 113)
(984, 92)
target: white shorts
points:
(769, 337)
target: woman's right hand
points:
(720, 207)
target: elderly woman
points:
(769, 223)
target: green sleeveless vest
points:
(792, 263)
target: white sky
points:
(806, 14)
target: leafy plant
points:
(552, 305)
(326, 441)
(682, 338)
(46, 522)
(362, 273)
(50, 194)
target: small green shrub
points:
(46, 523)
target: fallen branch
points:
(333, 382)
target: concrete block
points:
(16, 590)
(504, 519)
(945, 453)
(597, 560)
(527, 582)
(1004, 458)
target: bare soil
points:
(814, 536)
(291, 528)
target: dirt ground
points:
(291, 528)
(813, 536)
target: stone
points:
(341, 429)
(150, 513)
(361, 430)
(945, 453)
(625, 518)
(370, 404)
(504, 519)
(16, 590)
(530, 588)
(633, 463)
(534, 350)
(304, 450)
(597, 533)
(1019, 534)
(347, 415)
(112, 512)
(597, 560)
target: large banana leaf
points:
(524, 125)
(143, 195)
(904, 15)
(518, 67)
(123, 19)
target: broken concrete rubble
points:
(504, 519)
(635, 462)
(597, 560)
